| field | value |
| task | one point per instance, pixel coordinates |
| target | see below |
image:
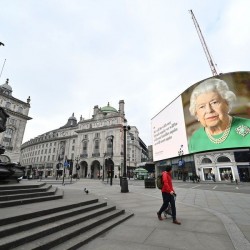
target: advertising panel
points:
(211, 114)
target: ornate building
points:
(92, 147)
(18, 112)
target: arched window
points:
(206, 160)
(223, 159)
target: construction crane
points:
(204, 46)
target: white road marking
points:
(214, 187)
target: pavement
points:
(210, 219)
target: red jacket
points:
(167, 182)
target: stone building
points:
(18, 112)
(92, 148)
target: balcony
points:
(96, 155)
(83, 155)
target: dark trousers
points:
(167, 197)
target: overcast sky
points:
(70, 55)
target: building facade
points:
(18, 112)
(93, 147)
(220, 165)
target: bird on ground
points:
(86, 191)
(1, 44)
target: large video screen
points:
(211, 114)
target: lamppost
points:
(104, 165)
(124, 180)
(181, 163)
(111, 166)
(77, 166)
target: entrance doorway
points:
(208, 174)
(225, 173)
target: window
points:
(85, 145)
(74, 140)
(7, 105)
(97, 135)
(242, 156)
(206, 160)
(96, 145)
(73, 148)
(11, 121)
(223, 159)
(20, 110)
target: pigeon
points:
(1, 44)
(86, 191)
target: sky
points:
(70, 55)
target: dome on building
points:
(72, 122)
(72, 117)
(6, 87)
(108, 109)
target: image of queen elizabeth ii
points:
(211, 102)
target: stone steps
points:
(66, 223)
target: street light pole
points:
(124, 180)
(112, 166)
(77, 166)
(64, 165)
(104, 166)
(181, 162)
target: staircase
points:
(14, 195)
(43, 217)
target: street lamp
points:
(77, 166)
(111, 166)
(104, 165)
(124, 180)
(181, 163)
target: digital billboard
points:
(211, 114)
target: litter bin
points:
(150, 183)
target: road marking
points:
(237, 187)
(195, 186)
(214, 187)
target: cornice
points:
(9, 111)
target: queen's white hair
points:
(212, 85)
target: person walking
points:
(168, 195)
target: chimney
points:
(121, 107)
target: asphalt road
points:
(242, 187)
(224, 187)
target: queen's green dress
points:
(239, 136)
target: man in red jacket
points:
(168, 195)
